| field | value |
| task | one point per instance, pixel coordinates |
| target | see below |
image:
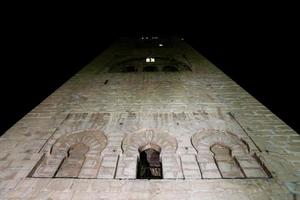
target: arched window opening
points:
(227, 165)
(129, 69)
(74, 160)
(170, 69)
(150, 69)
(149, 164)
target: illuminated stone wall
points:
(216, 140)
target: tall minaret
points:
(150, 118)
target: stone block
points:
(208, 166)
(47, 165)
(254, 173)
(190, 167)
(127, 167)
(59, 184)
(108, 166)
(211, 174)
(171, 167)
(249, 163)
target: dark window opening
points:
(129, 69)
(170, 69)
(149, 164)
(150, 69)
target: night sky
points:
(42, 49)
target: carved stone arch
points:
(74, 155)
(231, 158)
(95, 140)
(132, 142)
(205, 139)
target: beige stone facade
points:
(215, 140)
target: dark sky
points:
(256, 46)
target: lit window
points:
(160, 45)
(150, 60)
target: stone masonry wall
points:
(185, 113)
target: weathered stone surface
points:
(108, 166)
(127, 167)
(105, 116)
(190, 167)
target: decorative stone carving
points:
(76, 123)
(74, 155)
(226, 164)
(132, 142)
(222, 154)
(203, 140)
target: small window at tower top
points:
(150, 59)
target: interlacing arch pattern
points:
(132, 142)
(221, 154)
(73, 155)
(205, 139)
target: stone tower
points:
(150, 118)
